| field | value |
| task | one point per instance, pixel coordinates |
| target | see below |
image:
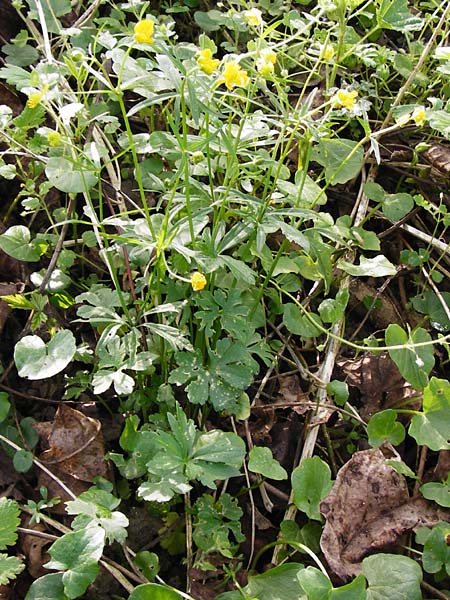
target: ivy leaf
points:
(9, 521)
(392, 576)
(48, 587)
(379, 266)
(77, 554)
(430, 428)
(37, 360)
(262, 461)
(10, 567)
(298, 323)
(153, 591)
(68, 177)
(16, 242)
(355, 590)
(384, 427)
(279, 583)
(316, 585)
(341, 158)
(439, 492)
(394, 14)
(414, 363)
(311, 482)
(436, 551)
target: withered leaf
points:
(379, 382)
(368, 509)
(74, 444)
(291, 394)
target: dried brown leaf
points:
(379, 382)
(74, 444)
(368, 509)
(291, 394)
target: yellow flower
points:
(403, 120)
(35, 99)
(143, 31)
(327, 52)
(253, 17)
(419, 116)
(345, 98)
(265, 63)
(234, 75)
(206, 62)
(53, 138)
(198, 281)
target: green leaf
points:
(9, 521)
(22, 461)
(96, 507)
(153, 591)
(394, 14)
(392, 576)
(77, 554)
(4, 406)
(379, 266)
(68, 177)
(384, 427)
(37, 360)
(148, 563)
(430, 304)
(414, 363)
(355, 590)
(52, 9)
(311, 482)
(48, 587)
(333, 309)
(439, 492)
(341, 158)
(262, 461)
(217, 525)
(315, 584)
(396, 206)
(431, 427)
(436, 550)
(15, 241)
(10, 567)
(279, 583)
(298, 323)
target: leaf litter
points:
(368, 509)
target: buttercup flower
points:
(265, 63)
(345, 98)
(198, 281)
(419, 116)
(143, 31)
(206, 62)
(254, 17)
(234, 75)
(327, 52)
(35, 99)
(53, 138)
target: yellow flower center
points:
(198, 281)
(253, 17)
(35, 99)
(206, 62)
(345, 98)
(53, 138)
(143, 31)
(234, 75)
(419, 116)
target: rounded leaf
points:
(37, 360)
